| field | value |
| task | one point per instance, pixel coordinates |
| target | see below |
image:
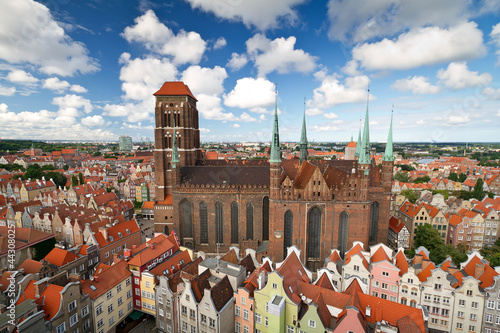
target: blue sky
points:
(87, 69)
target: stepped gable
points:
(221, 293)
(426, 272)
(224, 175)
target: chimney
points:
(104, 232)
(40, 286)
(127, 253)
(479, 270)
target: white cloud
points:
(78, 89)
(495, 36)
(333, 92)
(235, 125)
(330, 115)
(3, 107)
(262, 14)
(53, 83)
(351, 68)
(325, 128)
(278, 55)
(498, 112)
(185, 47)
(71, 105)
(93, 121)
(458, 76)
(245, 117)
(253, 94)
(237, 61)
(422, 46)
(220, 43)
(7, 91)
(20, 76)
(205, 80)
(34, 37)
(458, 119)
(416, 84)
(366, 19)
(313, 112)
(209, 107)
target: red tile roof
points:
(401, 262)
(31, 266)
(106, 280)
(60, 257)
(426, 272)
(356, 249)
(49, 300)
(379, 255)
(292, 270)
(324, 282)
(150, 250)
(174, 89)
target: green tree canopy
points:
(462, 177)
(430, 238)
(74, 180)
(453, 177)
(402, 177)
(411, 195)
(424, 179)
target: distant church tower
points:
(350, 151)
(175, 106)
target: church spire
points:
(175, 152)
(364, 157)
(303, 138)
(275, 140)
(359, 144)
(389, 154)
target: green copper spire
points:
(389, 154)
(303, 138)
(364, 157)
(175, 152)
(359, 143)
(275, 140)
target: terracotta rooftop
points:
(174, 89)
(60, 257)
(401, 262)
(31, 266)
(49, 300)
(150, 250)
(221, 293)
(106, 280)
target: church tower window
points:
(234, 222)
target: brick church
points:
(266, 205)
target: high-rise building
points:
(125, 143)
(269, 205)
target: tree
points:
(430, 238)
(65, 167)
(411, 195)
(424, 179)
(406, 167)
(403, 177)
(462, 177)
(48, 167)
(97, 153)
(453, 177)
(58, 178)
(478, 192)
(34, 171)
(492, 253)
(74, 180)
(80, 177)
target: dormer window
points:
(128, 231)
(120, 234)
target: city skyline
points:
(87, 71)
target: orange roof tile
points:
(49, 300)
(324, 282)
(356, 250)
(150, 250)
(401, 262)
(174, 89)
(60, 257)
(31, 266)
(106, 280)
(426, 272)
(379, 255)
(148, 205)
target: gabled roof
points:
(199, 283)
(305, 173)
(248, 263)
(31, 266)
(174, 89)
(356, 249)
(106, 280)
(426, 272)
(221, 293)
(324, 282)
(60, 257)
(395, 225)
(401, 262)
(323, 312)
(150, 250)
(292, 270)
(49, 300)
(379, 255)
(189, 269)
(231, 257)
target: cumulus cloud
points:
(416, 84)
(220, 43)
(251, 13)
(71, 105)
(331, 115)
(252, 94)
(7, 91)
(362, 20)
(78, 89)
(235, 125)
(53, 83)
(34, 37)
(3, 107)
(422, 46)
(204, 80)
(185, 47)
(237, 61)
(495, 36)
(458, 76)
(93, 121)
(20, 76)
(313, 112)
(278, 55)
(333, 92)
